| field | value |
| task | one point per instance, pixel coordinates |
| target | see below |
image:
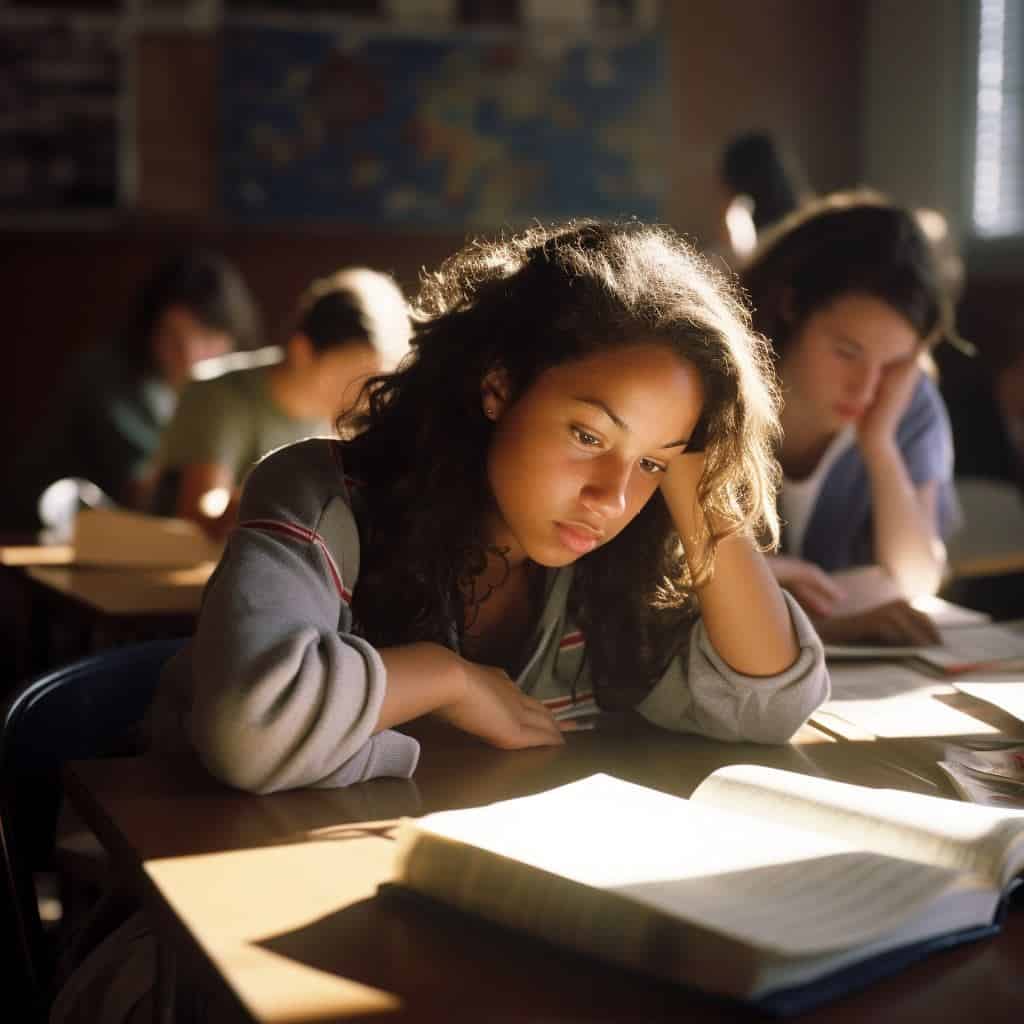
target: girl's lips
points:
(576, 539)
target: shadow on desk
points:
(390, 943)
(478, 958)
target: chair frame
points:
(31, 756)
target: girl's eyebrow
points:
(598, 404)
(846, 339)
(619, 422)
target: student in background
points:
(107, 416)
(760, 183)
(849, 294)
(347, 327)
(502, 531)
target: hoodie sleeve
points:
(701, 693)
(283, 694)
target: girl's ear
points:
(494, 394)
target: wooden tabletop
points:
(274, 899)
(120, 592)
(1001, 564)
(17, 555)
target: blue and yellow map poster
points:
(457, 130)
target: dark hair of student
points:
(523, 305)
(753, 164)
(332, 319)
(205, 283)
(844, 244)
(355, 305)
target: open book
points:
(967, 648)
(765, 886)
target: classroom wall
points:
(793, 68)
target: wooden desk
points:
(16, 556)
(1000, 564)
(123, 592)
(272, 900)
(71, 611)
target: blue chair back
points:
(88, 709)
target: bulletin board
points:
(63, 89)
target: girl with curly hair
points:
(552, 503)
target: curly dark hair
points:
(522, 305)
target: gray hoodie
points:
(275, 692)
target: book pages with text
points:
(785, 891)
(983, 841)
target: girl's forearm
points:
(422, 677)
(907, 544)
(743, 609)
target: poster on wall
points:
(61, 85)
(454, 130)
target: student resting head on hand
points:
(849, 293)
(551, 503)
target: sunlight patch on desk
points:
(894, 701)
(224, 902)
(908, 715)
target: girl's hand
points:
(812, 587)
(895, 389)
(893, 623)
(495, 709)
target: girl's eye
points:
(650, 466)
(585, 437)
(846, 353)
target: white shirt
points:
(798, 497)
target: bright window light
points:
(998, 201)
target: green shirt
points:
(231, 421)
(103, 424)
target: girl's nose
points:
(604, 493)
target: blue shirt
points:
(839, 532)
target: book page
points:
(962, 646)
(949, 833)
(894, 700)
(782, 890)
(965, 646)
(1008, 694)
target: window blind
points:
(998, 200)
